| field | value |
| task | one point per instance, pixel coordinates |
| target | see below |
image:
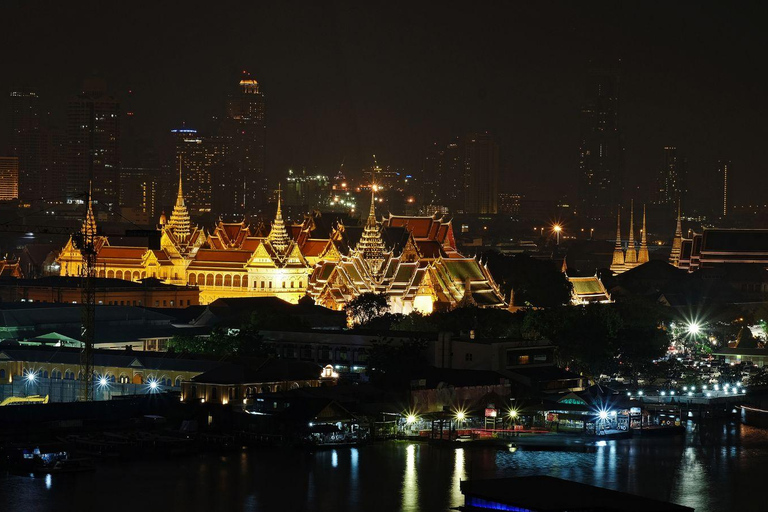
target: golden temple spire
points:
(278, 235)
(642, 254)
(631, 256)
(371, 246)
(89, 224)
(180, 221)
(617, 265)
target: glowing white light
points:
(513, 413)
(603, 415)
(693, 328)
(103, 382)
(461, 415)
(640, 393)
(410, 419)
(31, 376)
(153, 384)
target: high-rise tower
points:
(721, 187)
(672, 178)
(93, 143)
(26, 142)
(601, 150)
(481, 174)
(245, 128)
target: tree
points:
(366, 307)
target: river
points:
(717, 469)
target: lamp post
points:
(557, 228)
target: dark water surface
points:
(717, 468)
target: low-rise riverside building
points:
(56, 372)
(148, 292)
(240, 382)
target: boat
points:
(66, 466)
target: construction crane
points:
(85, 241)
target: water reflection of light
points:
(459, 474)
(410, 486)
(335, 458)
(353, 456)
(48, 481)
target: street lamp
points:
(557, 228)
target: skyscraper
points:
(433, 173)
(481, 174)
(453, 177)
(9, 178)
(139, 194)
(721, 187)
(601, 147)
(671, 179)
(26, 142)
(202, 160)
(246, 130)
(93, 143)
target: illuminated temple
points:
(413, 260)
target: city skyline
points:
(321, 114)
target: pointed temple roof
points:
(278, 236)
(89, 224)
(371, 245)
(642, 254)
(180, 221)
(631, 257)
(618, 253)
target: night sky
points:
(346, 80)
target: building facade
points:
(9, 178)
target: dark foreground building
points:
(549, 494)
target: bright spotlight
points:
(693, 328)
(31, 376)
(512, 413)
(603, 415)
(410, 419)
(103, 382)
(461, 415)
(152, 384)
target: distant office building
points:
(26, 142)
(453, 177)
(93, 143)
(309, 190)
(245, 128)
(601, 150)
(481, 174)
(721, 186)
(202, 161)
(509, 204)
(671, 179)
(433, 173)
(139, 194)
(9, 178)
